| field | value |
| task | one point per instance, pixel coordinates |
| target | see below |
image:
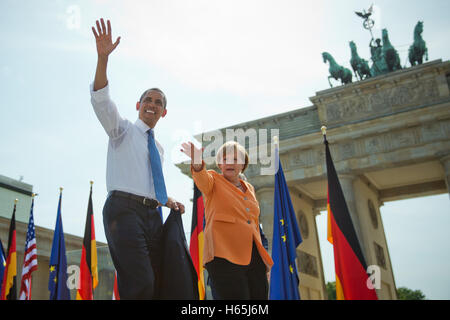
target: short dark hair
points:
(157, 90)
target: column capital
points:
(262, 190)
(316, 211)
(444, 158)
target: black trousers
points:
(236, 282)
(133, 232)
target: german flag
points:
(197, 239)
(88, 263)
(115, 295)
(9, 291)
(350, 265)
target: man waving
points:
(134, 180)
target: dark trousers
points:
(133, 232)
(236, 282)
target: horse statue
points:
(337, 71)
(360, 66)
(418, 49)
(390, 54)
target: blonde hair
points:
(230, 147)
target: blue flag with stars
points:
(284, 278)
(57, 281)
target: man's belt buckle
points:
(150, 203)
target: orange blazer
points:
(232, 219)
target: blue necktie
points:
(158, 178)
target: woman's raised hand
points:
(194, 153)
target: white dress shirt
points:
(128, 165)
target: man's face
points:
(151, 108)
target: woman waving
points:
(233, 254)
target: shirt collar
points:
(142, 126)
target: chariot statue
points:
(336, 71)
(378, 64)
(390, 55)
(418, 49)
(360, 66)
(384, 56)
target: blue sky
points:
(219, 63)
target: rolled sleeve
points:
(100, 95)
(203, 179)
(107, 113)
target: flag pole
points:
(276, 140)
(324, 133)
(92, 276)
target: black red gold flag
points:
(88, 263)
(9, 291)
(350, 265)
(115, 295)
(197, 239)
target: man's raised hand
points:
(103, 39)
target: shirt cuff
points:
(101, 94)
(198, 172)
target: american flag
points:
(29, 260)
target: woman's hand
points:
(194, 153)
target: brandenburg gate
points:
(389, 138)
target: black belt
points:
(149, 202)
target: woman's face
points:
(232, 165)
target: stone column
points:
(316, 212)
(445, 160)
(265, 197)
(347, 181)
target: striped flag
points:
(88, 263)
(115, 295)
(30, 262)
(350, 265)
(9, 276)
(197, 239)
(2, 264)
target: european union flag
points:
(57, 281)
(286, 238)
